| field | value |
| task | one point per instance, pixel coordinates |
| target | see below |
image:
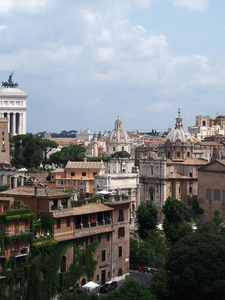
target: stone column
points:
(138, 196)
(15, 182)
(14, 123)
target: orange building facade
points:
(77, 175)
(107, 223)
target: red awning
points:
(93, 218)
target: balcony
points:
(19, 253)
(61, 212)
(17, 231)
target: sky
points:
(83, 63)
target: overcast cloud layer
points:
(82, 63)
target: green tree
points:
(196, 208)
(131, 289)
(120, 154)
(147, 218)
(217, 219)
(177, 216)
(27, 151)
(72, 153)
(196, 266)
(47, 146)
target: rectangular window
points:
(114, 149)
(72, 174)
(68, 222)
(190, 174)
(94, 173)
(190, 189)
(58, 223)
(108, 237)
(81, 183)
(61, 182)
(208, 194)
(216, 194)
(103, 255)
(178, 154)
(121, 232)
(83, 173)
(120, 251)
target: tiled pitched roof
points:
(84, 165)
(189, 161)
(29, 191)
(86, 209)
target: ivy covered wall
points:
(36, 276)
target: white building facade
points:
(13, 106)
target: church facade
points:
(175, 173)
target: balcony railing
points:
(17, 231)
(22, 251)
(96, 224)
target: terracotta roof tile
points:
(29, 191)
(84, 165)
(86, 209)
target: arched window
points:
(63, 264)
(83, 281)
(120, 216)
(120, 272)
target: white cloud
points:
(105, 54)
(2, 27)
(160, 107)
(24, 6)
(94, 101)
(89, 16)
(196, 5)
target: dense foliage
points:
(131, 289)
(72, 153)
(30, 151)
(147, 218)
(196, 265)
(177, 217)
(150, 252)
(121, 154)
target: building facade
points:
(211, 188)
(13, 107)
(106, 223)
(175, 173)
(77, 175)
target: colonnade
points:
(15, 124)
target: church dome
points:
(118, 139)
(179, 133)
(118, 135)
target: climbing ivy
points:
(36, 276)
